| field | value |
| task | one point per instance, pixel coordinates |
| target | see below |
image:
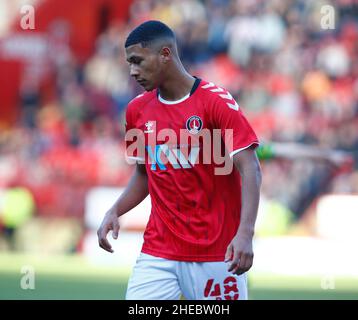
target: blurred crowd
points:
(294, 80)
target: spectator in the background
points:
(106, 74)
(29, 100)
(17, 207)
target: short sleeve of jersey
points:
(129, 120)
(131, 137)
(236, 131)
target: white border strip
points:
(232, 153)
(173, 102)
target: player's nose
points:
(134, 72)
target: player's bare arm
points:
(135, 193)
(240, 251)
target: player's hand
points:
(110, 222)
(240, 254)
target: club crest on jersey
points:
(194, 124)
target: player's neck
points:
(177, 86)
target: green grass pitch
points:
(72, 277)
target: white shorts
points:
(155, 278)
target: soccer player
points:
(198, 240)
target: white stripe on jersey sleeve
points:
(238, 150)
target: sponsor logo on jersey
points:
(149, 126)
(194, 124)
(175, 156)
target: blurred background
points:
(64, 87)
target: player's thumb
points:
(228, 253)
(115, 230)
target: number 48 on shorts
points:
(227, 290)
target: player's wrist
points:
(247, 231)
(114, 212)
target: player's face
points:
(145, 66)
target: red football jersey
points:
(195, 211)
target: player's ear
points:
(165, 54)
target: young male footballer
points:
(198, 241)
